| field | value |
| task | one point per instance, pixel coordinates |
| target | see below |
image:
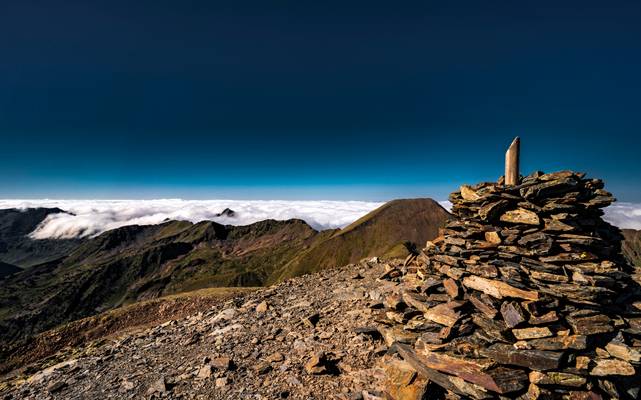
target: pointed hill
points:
(393, 230)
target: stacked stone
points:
(524, 295)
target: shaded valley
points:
(20, 250)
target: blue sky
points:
(312, 100)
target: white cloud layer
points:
(446, 204)
(92, 217)
(624, 215)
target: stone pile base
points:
(525, 295)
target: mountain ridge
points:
(142, 262)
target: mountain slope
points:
(392, 229)
(136, 263)
(632, 246)
(116, 321)
(17, 248)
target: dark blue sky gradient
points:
(278, 99)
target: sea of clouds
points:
(92, 217)
(624, 215)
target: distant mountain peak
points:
(227, 212)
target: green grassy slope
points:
(137, 263)
(387, 230)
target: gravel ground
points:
(299, 339)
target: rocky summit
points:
(524, 295)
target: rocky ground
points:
(307, 338)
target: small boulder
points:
(311, 320)
(263, 367)
(204, 372)
(159, 386)
(126, 386)
(262, 307)
(276, 357)
(315, 365)
(222, 363)
(221, 382)
(56, 386)
(322, 363)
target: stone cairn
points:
(524, 295)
